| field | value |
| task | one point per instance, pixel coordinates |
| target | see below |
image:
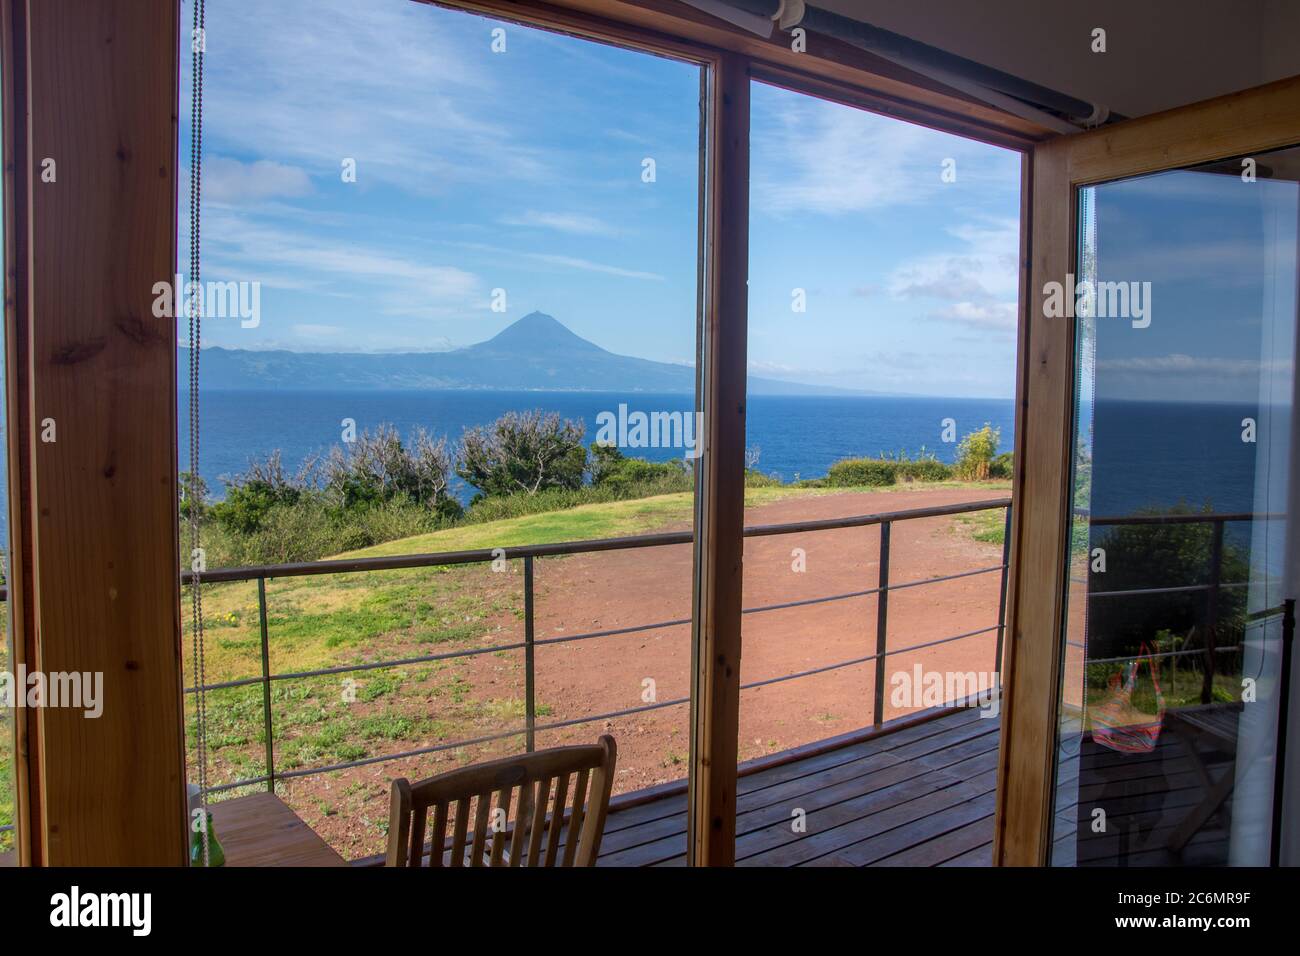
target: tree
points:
(201, 493)
(975, 453)
(377, 468)
(251, 495)
(523, 453)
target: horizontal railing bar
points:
(861, 521)
(570, 638)
(421, 751)
(1184, 653)
(556, 725)
(353, 668)
(945, 577)
(1181, 589)
(613, 632)
(947, 640)
(1182, 519)
(815, 670)
(631, 542)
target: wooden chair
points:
(542, 781)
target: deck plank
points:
(922, 796)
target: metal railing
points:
(1211, 588)
(529, 555)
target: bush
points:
(852, 472)
(523, 452)
(610, 467)
(924, 469)
(377, 468)
(250, 497)
(885, 470)
(1002, 466)
(975, 453)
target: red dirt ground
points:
(617, 589)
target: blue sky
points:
(1220, 255)
(522, 171)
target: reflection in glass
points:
(1184, 452)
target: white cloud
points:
(820, 157)
(229, 180)
(978, 284)
(569, 222)
(311, 331)
(572, 262)
(1178, 363)
(389, 84)
(394, 283)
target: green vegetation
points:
(523, 453)
(379, 489)
(977, 460)
(975, 454)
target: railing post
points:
(1283, 718)
(530, 701)
(882, 619)
(1212, 612)
(1002, 593)
(266, 687)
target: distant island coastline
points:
(535, 353)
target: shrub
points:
(924, 469)
(377, 468)
(1002, 466)
(975, 453)
(610, 467)
(523, 452)
(851, 472)
(201, 493)
(250, 497)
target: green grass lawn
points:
(333, 620)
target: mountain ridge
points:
(533, 353)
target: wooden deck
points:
(919, 796)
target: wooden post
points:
(720, 498)
(92, 106)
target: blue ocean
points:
(1148, 455)
(792, 436)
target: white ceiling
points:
(1160, 53)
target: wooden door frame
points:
(731, 58)
(148, 633)
(1238, 124)
(94, 566)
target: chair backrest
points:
(477, 800)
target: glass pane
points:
(882, 304)
(490, 242)
(8, 729)
(1185, 451)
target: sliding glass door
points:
(1184, 458)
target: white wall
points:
(1160, 53)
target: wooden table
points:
(259, 830)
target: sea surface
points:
(1146, 455)
(792, 436)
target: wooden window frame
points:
(94, 556)
(731, 58)
(1238, 124)
(49, 771)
